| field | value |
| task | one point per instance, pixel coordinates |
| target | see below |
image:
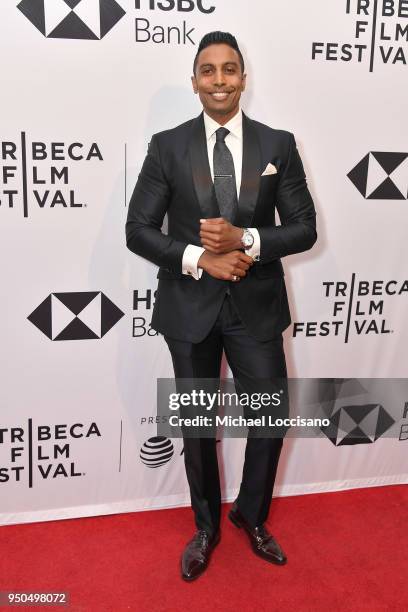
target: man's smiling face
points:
(219, 81)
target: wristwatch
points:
(247, 239)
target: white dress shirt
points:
(233, 140)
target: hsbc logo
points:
(362, 424)
(87, 315)
(78, 19)
(93, 19)
(381, 176)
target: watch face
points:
(248, 239)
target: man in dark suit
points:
(219, 178)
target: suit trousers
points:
(250, 360)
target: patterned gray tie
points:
(224, 177)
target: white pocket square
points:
(270, 169)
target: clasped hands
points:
(223, 257)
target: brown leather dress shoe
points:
(197, 553)
(262, 542)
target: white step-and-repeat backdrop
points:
(84, 85)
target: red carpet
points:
(346, 550)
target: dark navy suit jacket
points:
(176, 180)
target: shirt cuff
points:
(189, 264)
(255, 250)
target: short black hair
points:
(219, 38)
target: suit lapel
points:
(251, 174)
(200, 169)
